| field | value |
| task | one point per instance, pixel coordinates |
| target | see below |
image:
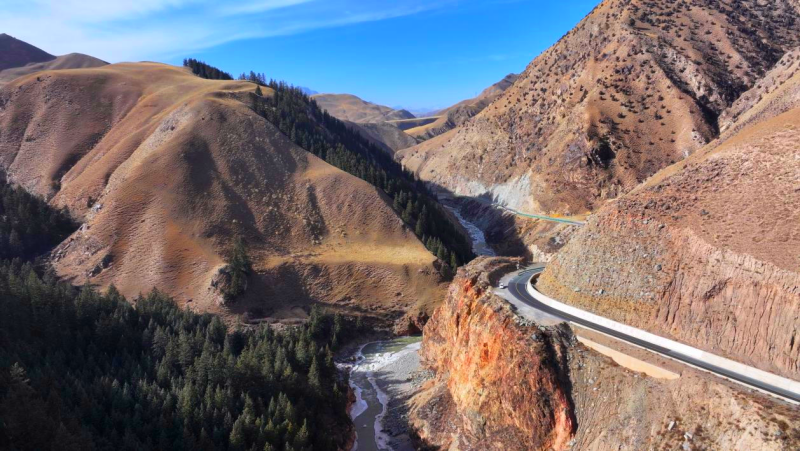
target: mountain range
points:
(634, 87)
(142, 155)
(20, 58)
(647, 164)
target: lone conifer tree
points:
(239, 266)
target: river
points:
(479, 246)
(381, 367)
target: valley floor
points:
(384, 378)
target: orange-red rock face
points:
(500, 384)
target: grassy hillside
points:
(81, 370)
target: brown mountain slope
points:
(459, 113)
(348, 107)
(385, 135)
(16, 53)
(634, 87)
(69, 61)
(708, 250)
(777, 92)
(165, 168)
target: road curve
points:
(517, 287)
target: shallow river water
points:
(371, 401)
(479, 246)
(372, 359)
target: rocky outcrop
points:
(411, 323)
(501, 382)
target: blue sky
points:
(412, 53)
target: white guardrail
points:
(673, 346)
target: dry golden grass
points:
(165, 169)
(348, 107)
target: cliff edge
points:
(501, 382)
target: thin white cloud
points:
(125, 30)
(257, 6)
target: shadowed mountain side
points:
(16, 53)
(387, 136)
(165, 169)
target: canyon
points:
(668, 129)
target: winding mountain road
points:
(520, 286)
(527, 215)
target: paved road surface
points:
(517, 288)
(528, 215)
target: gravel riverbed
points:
(384, 378)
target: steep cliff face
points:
(501, 382)
(706, 252)
(634, 87)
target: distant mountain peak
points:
(308, 91)
(16, 53)
(352, 108)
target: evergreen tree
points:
(204, 70)
(239, 266)
(84, 370)
(315, 378)
(302, 439)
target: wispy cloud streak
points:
(132, 30)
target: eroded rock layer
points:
(708, 251)
(501, 383)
